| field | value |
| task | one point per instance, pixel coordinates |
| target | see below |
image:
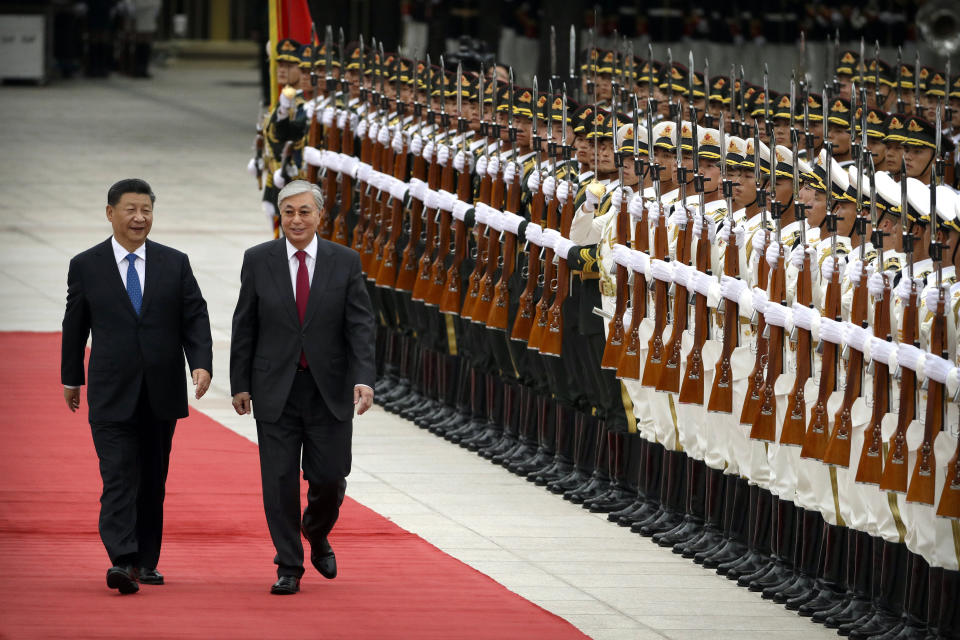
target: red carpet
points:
(217, 555)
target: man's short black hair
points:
(129, 185)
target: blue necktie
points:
(133, 284)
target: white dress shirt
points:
(140, 264)
(311, 263)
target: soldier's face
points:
(892, 157)
(816, 205)
(701, 106)
(781, 131)
(893, 232)
(844, 85)
(604, 87)
(524, 131)
(917, 160)
(605, 153)
(353, 77)
(816, 129)
(716, 108)
(840, 137)
(743, 192)
(288, 73)
(847, 215)
(584, 150)
(878, 150)
(711, 174)
(305, 84)
(665, 159)
(630, 176)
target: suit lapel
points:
(280, 269)
(115, 282)
(154, 269)
(321, 275)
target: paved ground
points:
(189, 132)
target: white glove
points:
(910, 357)
(308, 108)
(482, 166)
(858, 338)
(640, 262)
(342, 119)
(460, 209)
(254, 164)
(269, 210)
(534, 234)
(797, 255)
(416, 145)
(445, 200)
(563, 192)
(635, 207)
(463, 162)
(313, 156)
(431, 199)
(286, 106)
(510, 222)
(397, 142)
(621, 255)
(362, 128)
(760, 300)
(329, 113)
(278, 180)
(417, 188)
(443, 155)
(399, 190)
(698, 227)
(875, 285)
(779, 316)
(773, 254)
(616, 198)
(348, 165)
(549, 187)
(383, 136)
(510, 172)
(832, 331)
(291, 170)
(428, 149)
(562, 246)
(678, 218)
(732, 288)
(549, 238)
(881, 350)
(533, 182)
(903, 288)
(661, 270)
(493, 166)
(682, 273)
(591, 202)
(932, 296)
(856, 270)
(707, 286)
(653, 213)
(828, 266)
(738, 234)
(481, 213)
(374, 131)
(364, 172)
(759, 241)
(806, 318)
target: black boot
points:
(712, 533)
(811, 535)
(478, 405)
(695, 508)
(948, 623)
(620, 494)
(888, 594)
(562, 463)
(736, 493)
(781, 548)
(913, 622)
(673, 496)
(582, 454)
(526, 400)
(636, 457)
(598, 481)
(511, 423)
(758, 556)
(829, 585)
(494, 427)
(546, 439)
(859, 577)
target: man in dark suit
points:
(302, 350)
(144, 309)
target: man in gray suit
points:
(302, 349)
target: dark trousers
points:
(134, 458)
(306, 427)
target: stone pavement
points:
(189, 132)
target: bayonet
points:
(905, 219)
(344, 85)
(535, 133)
(768, 123)
(900, 104)
(917, 109)
(328, 62)
(461, 122)
(876, 75)
(573, 78)
(654, 165)
(363, 64)
(673, 113)
(553, 51)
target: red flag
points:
(294, 20)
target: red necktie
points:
(303, 293)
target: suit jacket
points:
(127, 349)
(338, 333)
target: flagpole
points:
(274, 39)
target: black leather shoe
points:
(324, 560)
(286, 586)
(123, 579)
(149, 576)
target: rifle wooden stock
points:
(838, 449)
(818, 430)
(340, 235)
(895, 466)
(450, 302)
(498, 317)
(542, 313)
(373, 214)
(870, 468)
(383, 213)
(949, 506)
(438, 268)
(765, 420)
(422, 286)
(795, 420)
(721, 393)
(526, 308)
(325, 228)
(479, 265)
(669, 379)
(691, 391)
(616, 334)
(356, 240)
(629, 365)
(313, 139)
(551, 342)
(407, 275)
(389, 259)
(655, 348)
(751, 403)
(481, 309)
(923, 483)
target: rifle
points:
(332, 141)
(615, 335)
(367, 157)
(407, 276)
(691, 391)
(421, 289)
(376, 236)
(901, 105)
(721, 393)
(438, 272)
(629, 365)
(894, 476)
(923, 483)
(258, 148)
(870, 468)
(795, 419)
(818, 430)
(313, 137)
(450, 301)
(480, 228)
(752, 401)
(346, 144)
(388, 257)
(526, 309)
(380, 162)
